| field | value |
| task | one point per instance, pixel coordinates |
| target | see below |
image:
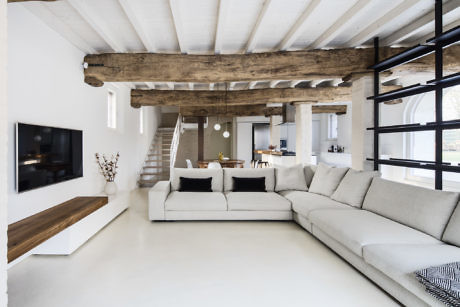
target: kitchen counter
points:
(268, 152)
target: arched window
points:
(421, 145)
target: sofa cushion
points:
(326, 179)
(452, 233)
(353, 187)
(216, 174)
(420, 208)
(305, 202)
(257, 201)
(357, 228)
(196, 201)
(268, 173)
(309, 171)
(400, 261)
(195, 184)
(290, 178)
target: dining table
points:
(224, 163)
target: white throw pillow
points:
(353, 187)
(326, 179)
(290, 178)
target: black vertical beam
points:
(438, 95)
(200, 138)
(376, 105)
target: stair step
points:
(156, 160)
(155, 166)
(158, 154)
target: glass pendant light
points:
(226, 134)
(217, 127)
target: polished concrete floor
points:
(135, 262)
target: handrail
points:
(175, 142)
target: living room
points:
(230, 152)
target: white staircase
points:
(157, 163)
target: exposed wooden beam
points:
(391, 102)
(252, 110)
(137, 25)
(297, 28)
(342, 109)
(338, 26)
(378, 25)
(249, 110)
(252, 41)
(243, 97)
(417, 25)
(95, 22)
(284, 65)
(222, 9)
(44, 13)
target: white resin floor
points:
(135, 262)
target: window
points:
(141, 120)
(111, 110)
(332, 126)
(420, 145)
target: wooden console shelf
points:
(28, 233)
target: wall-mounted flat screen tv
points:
(47, 155)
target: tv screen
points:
(47, 155)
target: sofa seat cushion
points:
(305, 202)
(196, 201)
(257, 201)
(358, 228)
(400, 261)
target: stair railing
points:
(175, 142)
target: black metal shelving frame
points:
(434, 45)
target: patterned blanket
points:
(442, 282)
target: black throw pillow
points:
(195, 184)
(249, 184)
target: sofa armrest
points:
(157, 197)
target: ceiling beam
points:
(252, 41)
(242, 97)
(252, 85)
(448, 27)
(137, 25)
(222, 10)
(341, 24)
(417, 25)
(380, 23)
(94, 22)
(341, 109)
(295, 82)
(233, 111)
(175, 14)
(47, 16)
(297, 28)
(285, 65)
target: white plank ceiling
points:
(238, 26)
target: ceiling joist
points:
(285, 65)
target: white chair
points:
(214, 165)
(189, 163)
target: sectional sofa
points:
(386, 230)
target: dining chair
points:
(189, 163)
(215, 165)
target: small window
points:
(332, 126)
(141, 120)
(111, 110)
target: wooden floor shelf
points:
(30, 232)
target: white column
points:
(362, 140)
(303, 136)
(275, 130)
(3, 158)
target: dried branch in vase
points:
(108, 167)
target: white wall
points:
(45, 85)
(3, 154)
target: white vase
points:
(110, 188)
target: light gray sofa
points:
(386, 230)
